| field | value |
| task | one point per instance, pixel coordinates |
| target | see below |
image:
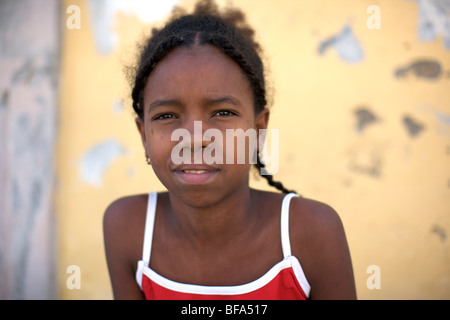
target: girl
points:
(211, 236)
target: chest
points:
(241, 261)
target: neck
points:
(214, 224)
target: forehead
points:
(196, 71)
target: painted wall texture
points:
(29, 60)
(361, 97)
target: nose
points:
(195, 129)
(201, 135)
(191, 144)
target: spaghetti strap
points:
(149, 226)
(285, 240)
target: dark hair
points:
(206, 26)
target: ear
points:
(141, 129)
(262, 119)
(262, 122)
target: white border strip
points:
(300, 275)
(290, 261)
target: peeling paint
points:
(444, 122)
(4, 99)
(443, 119)
(434, 20)
(29, 64)
(98, 159)
(118, 107)
(103, 13)
(372, 168)
(440, 232)
(423, 68)
(346, 44)
(366, 160)
(413, 127)
(364, 117)
(25, 73)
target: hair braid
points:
(259, 165)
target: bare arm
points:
(323, 251)
(120, 249)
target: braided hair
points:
(226, 31)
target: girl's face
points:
(198, 84)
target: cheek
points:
(240, 146)
(159, 146)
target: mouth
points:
(195, 171)
(196, 175)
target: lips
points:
(195, 174)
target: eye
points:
(163, 116)
(225, 113)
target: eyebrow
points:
(225, 99)
(163, 102)
(209, 102)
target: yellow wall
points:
(391, 189)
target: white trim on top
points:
(284, 224)
(149, 225)
(288, 262)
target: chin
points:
(198, 196)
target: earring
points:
(147, 158)
(259, 157)
(256, 157)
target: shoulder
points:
(315, 226)
(122, 209)
(314, 218)
(318, 240)
(123, 224)
(308, 219)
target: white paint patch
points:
(434, 20)
(98, 159)
(443, 119)
(118, 107)
(346, 45)
(103, 16)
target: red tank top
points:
(284, 281)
